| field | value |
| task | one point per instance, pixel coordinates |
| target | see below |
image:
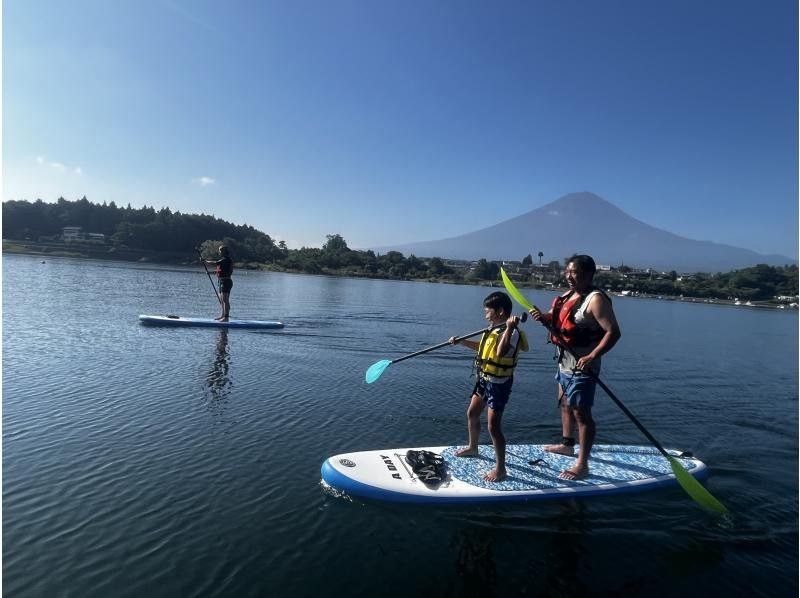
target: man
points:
(582, 322)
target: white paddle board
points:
(180, 321)
(532, 474)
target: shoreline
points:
(168, 259)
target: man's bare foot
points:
(495, 475)
(575, 473)
(560, 449)
(467, 452)
(223, 319)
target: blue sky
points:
(392, 122)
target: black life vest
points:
(225, 268)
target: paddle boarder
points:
(583, 320)
(497, 356)
(224, 267)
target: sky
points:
(394, 122)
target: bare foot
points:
(560, 449)
(575, 473)
(223, 319)
(467, 452)
(495, 475)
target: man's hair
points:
(223, 249)
(584, 262)
(498, 300)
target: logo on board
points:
(391, 466)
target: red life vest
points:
(563, 321)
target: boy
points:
(496, 359)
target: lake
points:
(143, 461)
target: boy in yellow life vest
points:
(497, 356)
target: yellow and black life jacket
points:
(501, 367)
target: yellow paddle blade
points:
(695, 489)
(514, 292)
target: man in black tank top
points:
(224, 268)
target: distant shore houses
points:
(76, 233)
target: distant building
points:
(72, 233)
(96, 236)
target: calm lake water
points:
(145, 461)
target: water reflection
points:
(550, 561)
(566, 556)
(219, 379)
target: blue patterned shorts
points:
(578, 388)
(493, 394)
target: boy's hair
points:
(498, 300)
(584, 262)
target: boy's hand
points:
(512, 322)
(452, 340)
(535, 314)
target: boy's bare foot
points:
(575, 473)
(560, 449)
(495, 475)
(467, 452)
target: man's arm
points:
(601, 310)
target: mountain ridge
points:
(596, 227)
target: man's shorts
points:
(578, 388)
(225, 285)
(494, 394)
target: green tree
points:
(485, 270)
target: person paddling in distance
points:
(583, 320)
(497, 356)
(224, 267)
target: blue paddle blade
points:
(376, 369)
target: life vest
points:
(574, 333)
(224, 272)
(502, 367)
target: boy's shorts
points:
(494, 394)
(578, 388)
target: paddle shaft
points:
(211, 280)
(457, 339)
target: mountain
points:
(586, 223)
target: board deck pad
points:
(532, 474)
(170, 320)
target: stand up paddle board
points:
(179, 321)
(389, 474)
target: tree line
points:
(173, 234)
(135, 228)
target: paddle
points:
(376, 369)
(213, 286)
(692, 487)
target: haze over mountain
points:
(586, 223)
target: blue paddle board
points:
(180, 321)
(532, 474)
